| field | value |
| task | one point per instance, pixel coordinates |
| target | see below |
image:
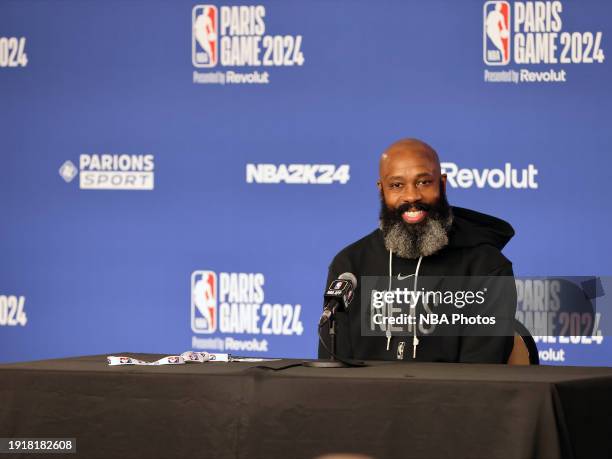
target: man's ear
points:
(379, 185)
(443, 180)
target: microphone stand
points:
(332, 362)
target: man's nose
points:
(411, 194)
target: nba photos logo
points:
(496, 33)
(203, 302)
(205, 36)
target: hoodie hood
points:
(471, 229)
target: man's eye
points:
(424, 182)
(396, 185)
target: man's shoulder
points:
(479, 239)
(353, 255)
(485, 259)
(368, 242)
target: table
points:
(236, 410)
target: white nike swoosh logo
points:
(400, 277)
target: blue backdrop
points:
(178, 114)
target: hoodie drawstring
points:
(388, 332)
(415, 339)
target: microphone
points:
(338, 296)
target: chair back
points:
(524, 351)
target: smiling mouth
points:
(414, 216)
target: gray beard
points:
(418, 242)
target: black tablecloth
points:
(235, 410)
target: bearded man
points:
(421, 235)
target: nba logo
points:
(339, 285)
(203, 302)
(496, 33)
(204, 37)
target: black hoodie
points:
(474, 249)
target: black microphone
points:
(338, 296)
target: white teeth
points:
(414, 214)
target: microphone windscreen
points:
(349, 277)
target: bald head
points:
(413, 149)
(415, 216)
(410, 173)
